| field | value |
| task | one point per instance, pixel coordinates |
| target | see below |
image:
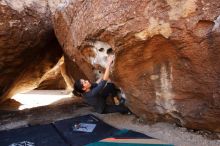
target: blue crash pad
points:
(42, 135)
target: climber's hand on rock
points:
(110, 60)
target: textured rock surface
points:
(53, 79)
(166, 54)
(28, 47)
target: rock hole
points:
(110, 51)
(101, 49)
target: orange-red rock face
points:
(28, 46)
(167, 54)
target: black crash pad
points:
(42, 135)
(78, 138)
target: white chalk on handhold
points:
(216, 27)
(102, 51)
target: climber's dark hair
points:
(78, 88)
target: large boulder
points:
(167, 54)
(28, 46)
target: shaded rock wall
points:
(166, 54)
(28, 46)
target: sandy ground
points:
(69, 108)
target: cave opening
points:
(37, 98)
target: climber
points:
(95, 94)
